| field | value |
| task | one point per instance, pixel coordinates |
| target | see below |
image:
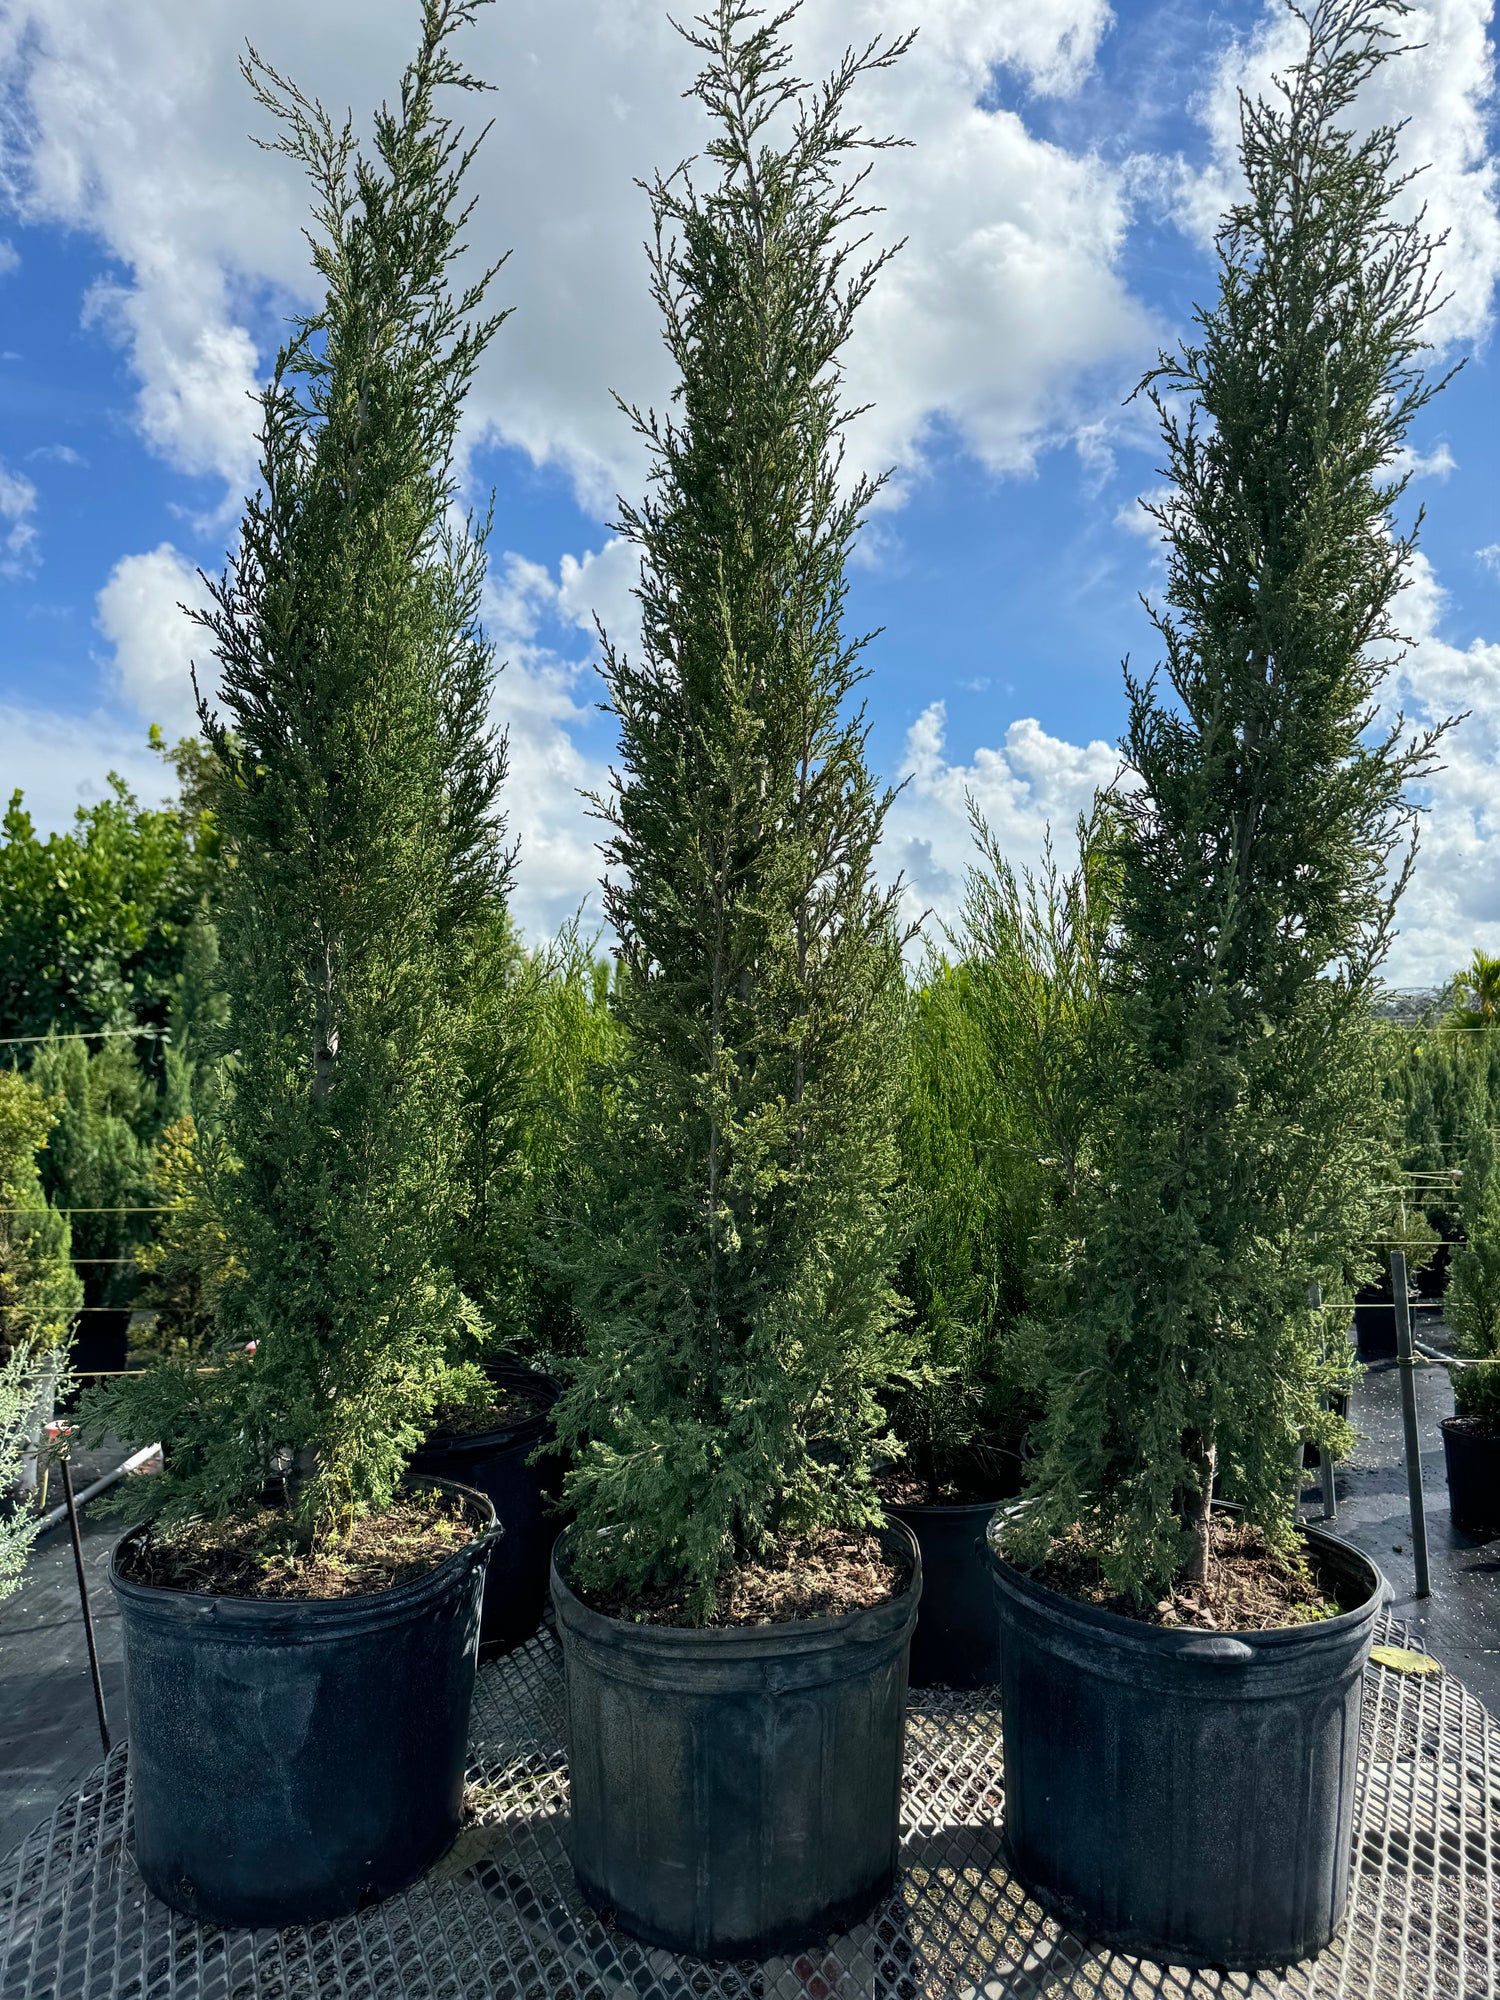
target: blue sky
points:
(1068, 160)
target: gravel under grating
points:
(501, 1919)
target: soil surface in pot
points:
(1250, 1588)
(261, 1555)
(506, 1412)
(1474, 1427)
(821, 1575)
(901, 1487)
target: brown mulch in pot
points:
(261, 1555)
(820, 1575)
(899, 1486)
(506, 1413)
(1249, 1588)
(1476, 1427)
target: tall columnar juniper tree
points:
(733, 1259)
(357, 795)
(1262, 854)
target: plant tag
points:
(1401, 1660)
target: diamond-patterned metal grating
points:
(501, 1919)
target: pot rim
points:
(1459, 1417)
(455, 1444)
(785, 1635)
(264, 1612)
(933, 1509)
(1191, 1641)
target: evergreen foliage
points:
(1472, 1307)
(1009, 1084)
(1253, 853)
(733, 1249)
(39, 1290)
(538, 1031)
(20, 1426)
(97, 1163)
(963, 1270)
(185, 1265)
(356, 787)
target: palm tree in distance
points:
(1477, 992)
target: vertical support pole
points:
(83, 1599)
(1406, 1365)
(1325, 1457)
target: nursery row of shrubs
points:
(817, 1302)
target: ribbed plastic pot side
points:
(1185, 1795)
(957, 1639)
(1471, 1457)
(294, 1760)
(498, 1464)
(736, 1790)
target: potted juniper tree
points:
(1009, 1071)
(299, 1626)
(1471, 1436)
(734, 1614)
(1181, 1686)
(536, 1028)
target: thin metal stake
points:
(83, 1598)
(1325, 1457)
(1406, 1362)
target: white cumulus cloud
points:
(1030, 783)
(1453, 903)
(60, 762)
(131, 123)
(154, 641)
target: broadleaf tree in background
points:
(357, 789)
(733, 1253)
(1261, 856)
(94, 920)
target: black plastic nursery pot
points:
(496, 1462)
(1472, 1455)
(294, 1760)
(957, 1640)
(1375, 1329)
(1185, 1795)
(736, 1790)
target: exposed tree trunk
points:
(1197, 1509)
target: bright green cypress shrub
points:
(1472, 1307)
(40, 1292)
(1255, 898)
(1010, 1076)
(356, 790)
(733, 1252)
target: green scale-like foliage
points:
(356, 793)
(733, 1255)
(1472, 1307)
(1011, 1071)
(1260, 848)
(40, 1292)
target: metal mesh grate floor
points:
(501, 1917)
